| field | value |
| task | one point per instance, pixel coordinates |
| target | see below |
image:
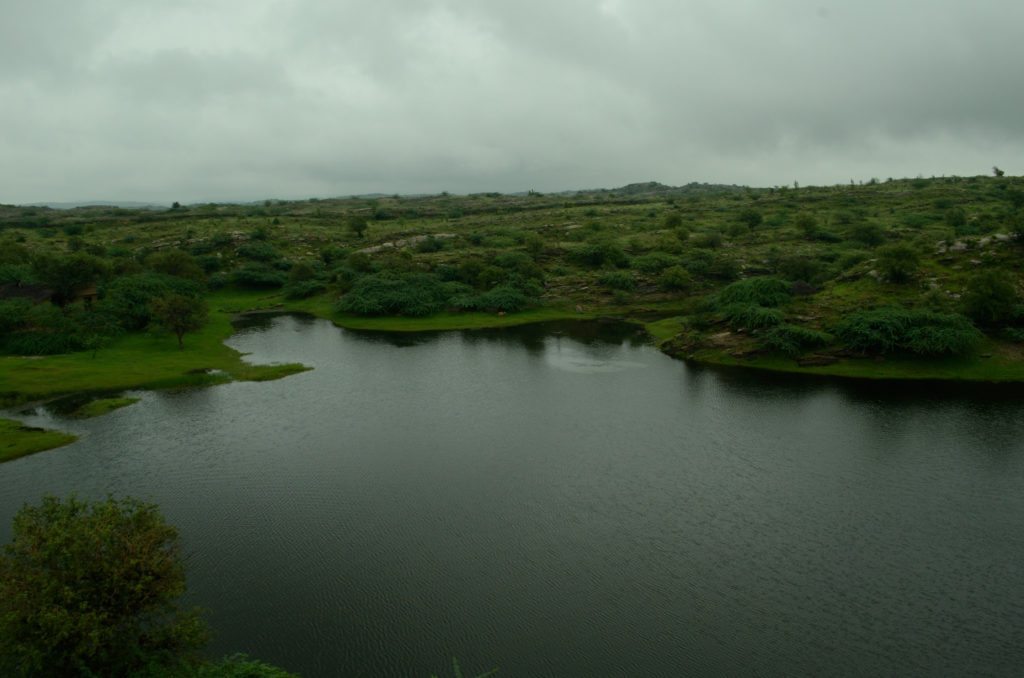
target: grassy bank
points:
(101, 406)
(141, 361)
(19, 440)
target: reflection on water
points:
(563, 500)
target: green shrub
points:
(259, 251)
(709, 240)
(603, 253)
(794, 339)
(507, 298)
(411, 294)
(618, 280)
(258, 276)
(675, 278)
(760, 291)
(302, 289)
(898, 262)
(751, 316)
(887, 330)
(868, 234)
(655, 262)
(430, 244)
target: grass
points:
(19, 440)
(1002, 366)
(101, 406)
(141, 361)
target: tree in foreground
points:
(179, 314)
(91, 588)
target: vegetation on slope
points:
(845, 279)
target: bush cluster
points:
(891, 330)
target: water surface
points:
(563, 500)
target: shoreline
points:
(137, 362)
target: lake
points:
(564, 500)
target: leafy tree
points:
(91, 589)
(179, 314)
(129, 297)
(358, 225)
(66, 275)
(997, 172)
(899, 262)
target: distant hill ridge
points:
(634, 189)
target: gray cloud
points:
(224, 99)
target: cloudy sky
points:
(197, 100)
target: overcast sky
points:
(197, 100)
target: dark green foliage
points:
(411, 294)
(655, 262)
(128, 298)
(179, 314)
(802, 268)
(723, 268)
(506, 298)
(430, 244)
(991, 297)
(807, 224)
(360, 262)
(303, 289)
(710, 240)
(760, 291)
(66, 275)
(259, 251)
(258, 276)
(673, 220)
(750, 218)
(602, 253)
(38, 329)
(209, 263)
(887, 330)
(898, 262)
(332, 254)
(675, 278)
(302, 270)
(91, 589)
(618, 280)
(794, 339)
(357, 225)
(16, 273)
(221, 239)
(177, 263)
(520, 263)
(751, 316)
(956, 217)
(868, 234)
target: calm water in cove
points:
(563, 500)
